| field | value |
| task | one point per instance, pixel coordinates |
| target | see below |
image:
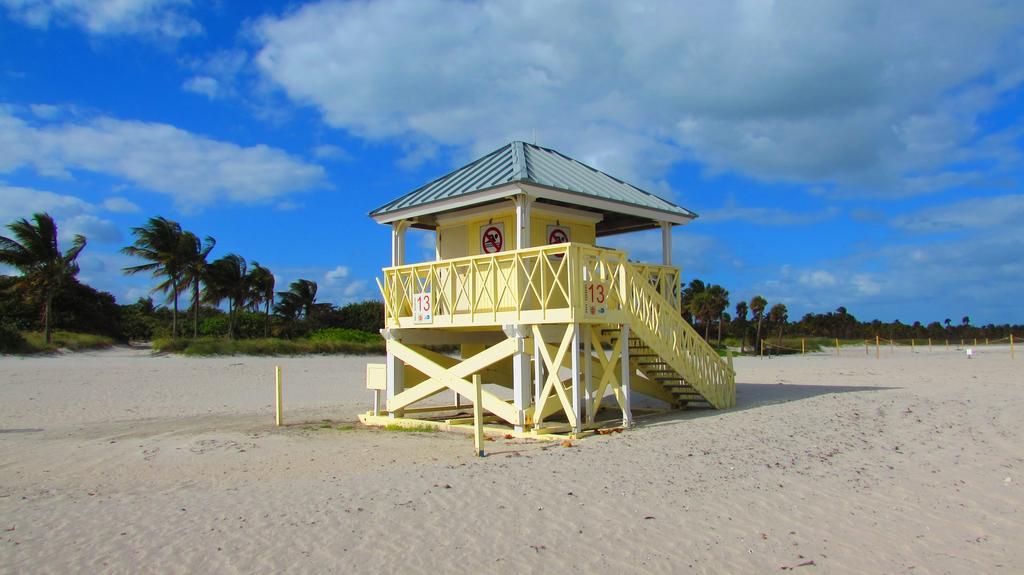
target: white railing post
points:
(627, 373)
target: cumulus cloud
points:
(120, 206)
(162, 18)
(766, 216)
(204, 85)
(979, 213)
(73, 215)
(193, 169)
(857, 97)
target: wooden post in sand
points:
(913, 345)
(878, 347)
(762, 348)
(478, 416)
(837, 346)
(929, 345)
(277, 389)
(1011, 346)
(803, 346)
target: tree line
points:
(705, 306)
(48, 294)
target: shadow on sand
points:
(753, 395)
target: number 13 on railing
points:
(595, 298)
(422, 308)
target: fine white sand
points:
(122, 462)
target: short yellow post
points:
(986, 341)
(478, 416)
(762, 348)
(913, 345)
(865, 347)
(1011, 346)
(837, 346)
(929, 345)
(878, 347)
(277, 387)
(803, 346)
(961, 342)
(975, 342)
(947, 343)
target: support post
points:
(627, 389)
(577, 407)
(478, 415)
(1011, 346)
(395, 381)
(279, 409)
(666, 243)
(538, 377)
(398, 242)
(523, 205)
(929, 345)
(878, 347)
(588, 374)
(520, 376)
(837, 346)
(803, 346)
(913, 345)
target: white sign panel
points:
(422, 308)
(558, 234)
(492, 238)
(595, 298)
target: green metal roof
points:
(519, 162)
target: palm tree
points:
(261, 282)
(695, 287)
(160, 242)
(757, 305)
(702, 306)
(226, 278)
(779, 315)
(36, 254)
(741, 321)
(298, 300)
(194, 253)
(719, 303)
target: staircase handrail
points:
(661, 327)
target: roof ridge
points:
(519, 171)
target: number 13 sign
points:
(422, 308)
(595, 298)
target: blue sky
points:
(865, 154)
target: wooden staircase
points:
(667, 350)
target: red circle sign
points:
(557, 236)
(492, 240)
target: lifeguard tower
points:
(519, 287)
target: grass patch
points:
(346, 427)
(412, 428)
(35, 341)
(345, 334)
(267, 346)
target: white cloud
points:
(72, 215)
(817, 278)
(120, 206)
(336, 275)
(733, 211)
(978, 213)
(195, 170)
(161, 18)
(331, 152)
(204, 85)
(860, 97)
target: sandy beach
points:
(122, 462)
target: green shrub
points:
(11, 340)
(66, 340)
(344, 334)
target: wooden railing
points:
(534, 285)
(665, 280)
(660, 326)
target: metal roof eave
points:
(478, 197)
(573, 198)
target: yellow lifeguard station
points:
(521, 290)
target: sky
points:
(860, 154)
